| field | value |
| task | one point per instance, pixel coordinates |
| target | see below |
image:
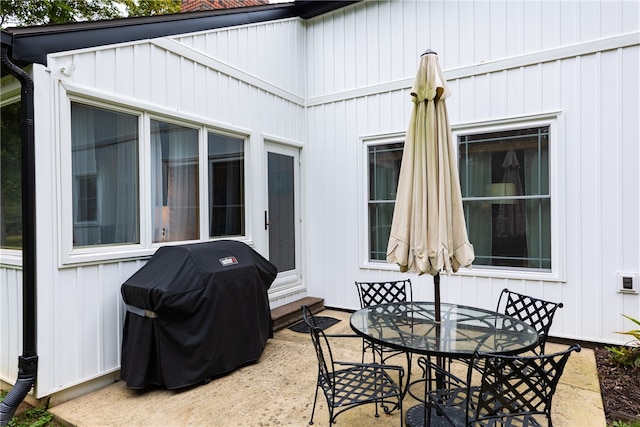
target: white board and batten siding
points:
(223, 80)
(328, 85)
(577, 62)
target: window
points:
(384, 169)
(505, 187)
(105, 191)
(226, 185)
(189, 169)
(10, 177)
(174, 182)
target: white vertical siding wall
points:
(10, 322)
(327, 84)
(248, 78)
(502, 60)
(379, 41)
(272, 52)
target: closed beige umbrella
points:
(428, 231)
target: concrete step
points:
(288, 314)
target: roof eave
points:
(33, 44)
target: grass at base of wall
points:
(31, 417)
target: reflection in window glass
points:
(105, 176)
(505, 189)
(87, 198)
(10, 177)
(226, 185)
(174, 182)
(384, 170)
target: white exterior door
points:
(282, 216)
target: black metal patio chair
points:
(536, 312)
(510, 391)
(374, 293)
(347, 385)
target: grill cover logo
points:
(230, 260)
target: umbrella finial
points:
(428, 51)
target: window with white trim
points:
(104, 164)
(384, 162)
(506, 195)
(174, 182)
(506, 181)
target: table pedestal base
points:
(415, 418)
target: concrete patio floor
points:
(278, 390)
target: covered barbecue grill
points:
(193, 312)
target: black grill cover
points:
(193, 312)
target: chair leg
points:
(364, 349)
(380, 401)
(313, 411)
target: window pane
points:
(174, 182)
(10, 177)
(380, 218)
(505, 187)
(105, 176)
(384, 169)
(226, 186)
(281, 198)
(87, 198)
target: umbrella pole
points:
(436, 286)
(439, 359)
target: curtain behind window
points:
(384, 170)
(505, 185)
(174, 173)
(105, 176)
(478, 214)
(538, 210)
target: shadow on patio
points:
(278, 390)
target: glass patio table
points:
(462, 330)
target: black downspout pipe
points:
(28, 362)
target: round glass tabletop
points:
(463, 330)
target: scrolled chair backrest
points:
(518, 384)
(374, 293)
(536, 312)
(320, 344)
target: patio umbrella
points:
(428, 231)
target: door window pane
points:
(505, 187)
(174, 182)
(105, 176)
(226, 185)
(281, 199)
(10, 177)
(384, 170)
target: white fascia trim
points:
(570, 51)
(215, 64)
(500, 123)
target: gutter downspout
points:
(28, 362)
